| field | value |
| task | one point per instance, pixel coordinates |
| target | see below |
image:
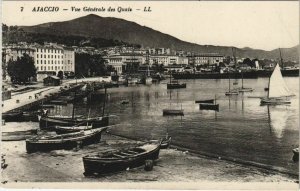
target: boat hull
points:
(165, 143)
(209, 106)
(47, 123)
(274, 101)
(12, 116)
(216, 75)
(100, 166)
(176, 86)
(173, 112)
(205, 101)
(68, 143)
(63, 130)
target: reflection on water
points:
(241, 129)
(278, 120)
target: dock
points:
(22, 101)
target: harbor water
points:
(242, 129)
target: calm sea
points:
(242, 129)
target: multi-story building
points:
(69, 60)
(209, 58)
(48, 59)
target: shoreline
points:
(224, 158)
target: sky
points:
(263, 25)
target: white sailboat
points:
(148, 79)
(278, 92)
(230, 92)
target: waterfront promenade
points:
(29, 97)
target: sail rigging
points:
(277, 85)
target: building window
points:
(37, 61)
(45, 62)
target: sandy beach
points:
(67, 166)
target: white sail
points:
(277, 86)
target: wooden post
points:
(148, 165)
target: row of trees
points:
(91, 65)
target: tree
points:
(22, 69)
(89, 65)
(247, 61)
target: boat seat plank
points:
(127, 154)
(133, 152)
(117, 155)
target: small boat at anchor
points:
(205, 101)
(175, 85)
(120, 160)
(173, 112)
(209, 106)
(64, 141)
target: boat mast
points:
(103, 109)
(282, 65)
(73, 110)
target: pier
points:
(41, 95)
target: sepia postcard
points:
(150, 95)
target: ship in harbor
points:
(293, 72)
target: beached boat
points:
(63, 130)
(205, 101)
(296, 154)
(278, 92)
(296, 151)
(12, 116)
(48, 123)
(64, 141)
(120, 160)
(165, 142)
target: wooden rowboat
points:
(49, 123)
(63, 130)
(64, 141)
(165, 143)
(120, 160)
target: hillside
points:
(93, 26)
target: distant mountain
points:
(93, 26)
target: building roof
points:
(54, 77)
